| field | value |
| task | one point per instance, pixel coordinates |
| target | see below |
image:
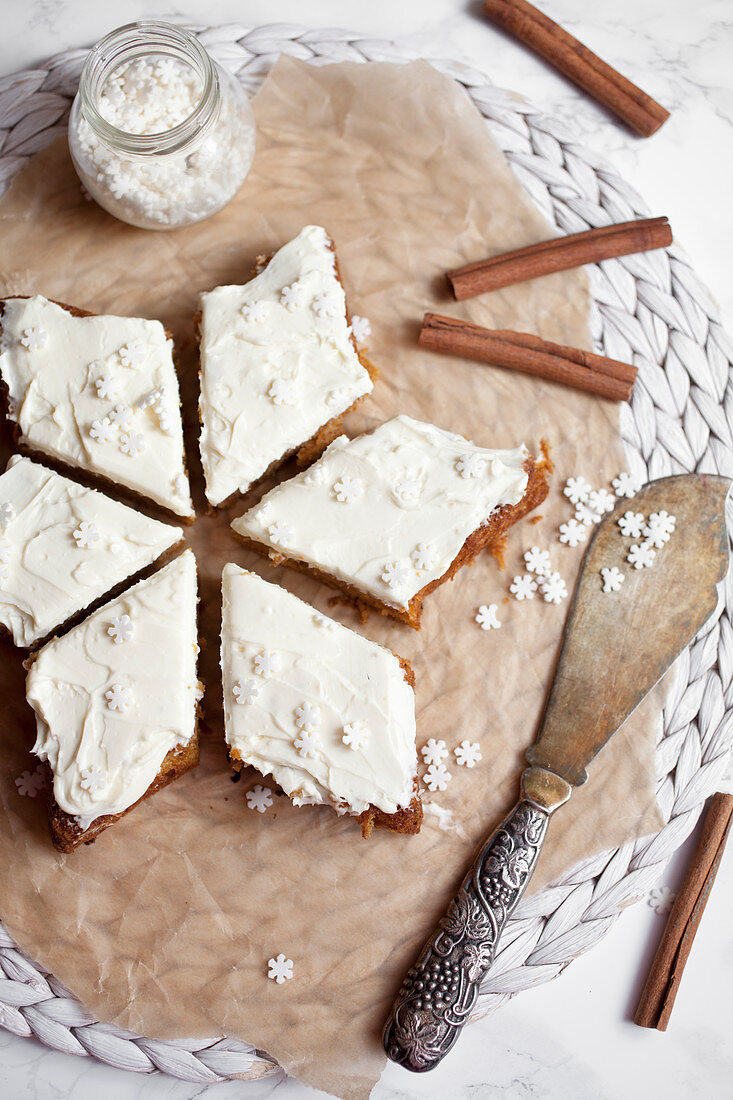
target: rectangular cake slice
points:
(98, 393)
(279, 365)
(327, 713)
(63, 547)
(116, 703)
(390, 515)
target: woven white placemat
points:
(650, 309)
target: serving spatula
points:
(616, 647)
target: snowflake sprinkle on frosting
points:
(281, 969)
(348, 489)
(523, 587)
(86, 535)
(308, 716)
(467, 754)
(93, 779)
(282, 392)
(122, 417)
(267, 663)
(424, 556)
(577, 490)
(355, 735)
(120, 629)
(102, 431)
(133, 355)
(108, 387)
(537, 561)
(316, 475)
(259, 798)
(434, 751)
(325, 305)
(613, 578)
(293, 296)
(601, 501)
(631, 524)
(280, 533)
(437, 777)
(149, 399)
(572, 533)
(659, 528)
(34, 339)
(254, 312)
(30, 783)
(395, 574)
(361, 329)
(470, 465)
(307, 743)
(486, 617)
(7, 515)
(408, 490)
(554, 589)
(132, 443)
(245, 692)
(626, 485)
(323, 621)
(641, 555)
(119, 698)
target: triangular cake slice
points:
(99, 393)
(327, 713)
(116, 703)
(279, 365)
(389, 516)
(64, 547)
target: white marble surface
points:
(572, 1038)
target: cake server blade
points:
(617, 645)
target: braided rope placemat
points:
(649, 309)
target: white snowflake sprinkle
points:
(554, 589)
(307, 743)
(577, 490)
(7, 515)
(119, 698)
(102, 431)
(613, 578)
(395, 574)
(254, 312)
(437, 777)
(355, 735)
(361, 329)
(267, 663)
(348, 489)
(486, 617)
(259, 798)
(424, 556)
(325, 305)
(180, 486)
(133, 355)
(641, 555)
(434, 751)
(537, 561)
(316, 475)
(661, 899)
(245, 693)
(523, 587)
(408, 490)
(631, 525)
(573, 533)
(626, 485)
(586, 515)
(601, 501)
(282, 392)
(122, 417)
(292, 296)
(659, 528)
(108, 387)
(308, 716)
(34, 339)
(93, 779)
(86, 535)
(120, 629)
(30, 783)
(470, 465)
(132, 443)
(280, 533)
(467, 754)
(323, 621)
(281, 969)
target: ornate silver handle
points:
(440, 990)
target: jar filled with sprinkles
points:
(160, 135)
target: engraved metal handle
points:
(440, 990)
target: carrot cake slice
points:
(390, 515)
(63, 547)
(327, 713)
(116, 703)
(279, 365)
(98, 393)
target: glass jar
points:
(160, 135)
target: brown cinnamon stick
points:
(638, 110)
(559, 254)
(663, 982)
(521, 351)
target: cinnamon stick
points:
(521, 351)
(663, 982)
(559, 254)
(638, 110)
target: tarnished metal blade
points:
(617, 645)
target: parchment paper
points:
(165, 924)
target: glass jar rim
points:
(138, 39)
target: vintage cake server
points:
(617, 645)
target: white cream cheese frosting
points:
(388, 512)
(323, 710)
(62, 547)
(277, 363)
(99, 393)
(117, 693)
